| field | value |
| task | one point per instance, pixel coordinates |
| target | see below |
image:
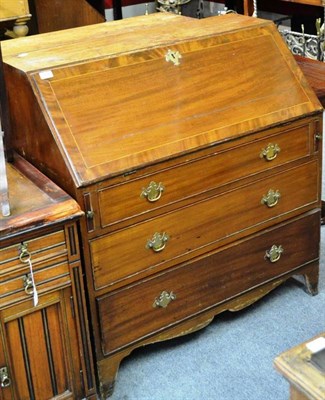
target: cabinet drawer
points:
(42, 250)
(198, 176)
(132, 313)
(49, 258)
(46, 279)
(200, 227)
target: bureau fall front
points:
(193, 148)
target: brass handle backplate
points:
(270, 152)
(274, 254)
(5, 381)
(153, 191)
(164, 299)
(271, 198)
(158, 242)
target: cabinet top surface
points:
(35, 201)
(121, 95)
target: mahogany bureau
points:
(44, 341)
(194, 149)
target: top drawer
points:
(42, 250)
(148, 193)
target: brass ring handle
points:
(158, 242)
(24, 255)
(164, 299)
(270, 152)
(274, 254)
(271, 199)
(28, 285)
(153, 191)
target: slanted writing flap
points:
(115, 111)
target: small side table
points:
(307, 381)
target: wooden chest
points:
(45, 349)
(194, 148)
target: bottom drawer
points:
(140, 310)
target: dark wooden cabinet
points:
(200, 185)
(49, 16)
(44, 346)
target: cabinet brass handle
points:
(28, 284)
(164, 299)
(158, 242)
(270, 152)
(5, 381)
(24, 254)
(271, 198)
(153, 191)
(274, 254)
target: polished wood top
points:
(116, 37)
(114, 103)
(314, 71)
(294, 364)
(35, 201)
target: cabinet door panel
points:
(40, 348)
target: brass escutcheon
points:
(271, 198)
(174, 56)
(164, 299)
(153, 191)
(274, 254)
(270, 152)
(158, 242)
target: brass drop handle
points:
(274, 254)
(153, 191)
(158, 242)
(270, 152)
(271, 198)
(5, 380)
(164, 299)
(28, 284)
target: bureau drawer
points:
(188, 179)
(137, 311)
(198, 228)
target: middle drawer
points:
(161, 242)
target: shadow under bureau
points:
(193, 148)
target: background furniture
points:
(49, 15)
(44, 346)
(14, 15)
(300, 12)
(305, 378)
